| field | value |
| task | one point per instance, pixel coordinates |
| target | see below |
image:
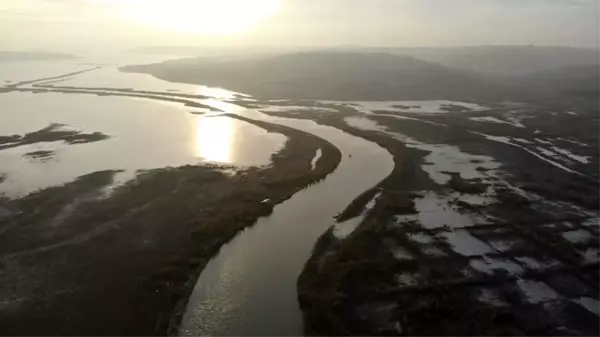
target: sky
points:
(89, 24)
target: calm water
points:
(11, 72)
(111, 77)
(144, 134)
(250, 287)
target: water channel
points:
(249, 288)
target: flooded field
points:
(113, 78)
(27, 71)
(137, 138)
(429, 107)
(239, 212)
(464, 193)
(250, 287)
(87, 151)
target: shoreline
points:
(166, 285)
(394, 275)
(362, 261)
(323, 168)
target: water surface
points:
(143, 134)
(249, 288)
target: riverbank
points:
(486, 217)
(249, 288)
(87, 258)
(467, 232)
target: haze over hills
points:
(505, 60)
(11, 56)
(330, 75)
(491, 60)
(574, 81)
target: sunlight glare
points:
(214, 138)
(197, 16)
(217, 93)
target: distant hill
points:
(505, 60)
(187, 51)
(13, 56)
(230, 53)
(580, 82)
(331, 75)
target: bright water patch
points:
(112, 77)
(363, 123)
(249, 288)
(143, 135)
(488, 119)
(433, 107)
(13, 72)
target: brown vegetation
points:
(79, 259)
(51, 133)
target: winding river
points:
(249, 288)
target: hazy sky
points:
(77, 24)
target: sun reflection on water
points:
(214, 138)
(218, 93)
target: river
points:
(249, 288)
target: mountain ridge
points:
(330, 75)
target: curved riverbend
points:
(249, 288)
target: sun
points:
(197, 16)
